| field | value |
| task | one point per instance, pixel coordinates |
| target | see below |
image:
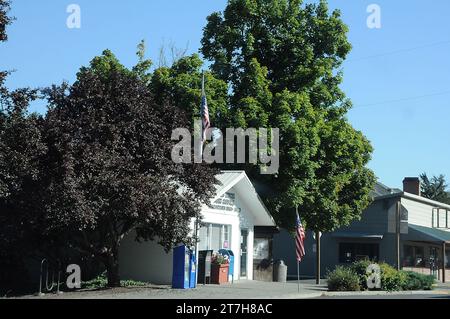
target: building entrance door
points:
(244, 253)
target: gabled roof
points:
(247, 193)
(381, 191)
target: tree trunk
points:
(112, 269)
(317, 257)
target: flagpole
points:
(201, 117)
(298, 262)
(201, 156)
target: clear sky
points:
(398, 76)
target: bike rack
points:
(48, 287)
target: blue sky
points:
(398, 77)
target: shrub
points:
(132, 283)
(391, 278)
(360, 268)
(101, 282)
(416, 281)
(97, 283)
(343, 279)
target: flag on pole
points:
(299, 239)
(204, 113)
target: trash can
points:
(280, 271)
(229, 253)
(204, 266)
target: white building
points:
(228, 222)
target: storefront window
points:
(413, 256)
(261, 248)
(447, 258)
(214, 237)
(350, 252)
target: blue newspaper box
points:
(184, 271)
(230, 254)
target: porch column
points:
(443, 262)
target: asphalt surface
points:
(384, 297)
(246, 290)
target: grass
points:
(101, 282)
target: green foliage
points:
(180, 85)
(298, 45)
(141, 69)
(391, 278)
(5, 20)
(98, 282)
(343, 279)
(435, 188)
(360, 268)
(109, 168)
(282, 60)
(416, 281)
(101, 282)
(219, 259)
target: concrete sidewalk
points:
(238, 290)
(244, 289)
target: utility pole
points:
(443, 262)
(318, 257)
(397, 234)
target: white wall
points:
(148, 261)
(237, 220)
(421, 213)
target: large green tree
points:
(109, 170)
(5, 20)
(282, 60)
(180, 85)
(435, 188)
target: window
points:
(261, 248)
(413, 256)
(214, 237)
(447, 258)
(350, 252)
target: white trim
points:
(415, 198)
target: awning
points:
(356, 235)
(427, 234)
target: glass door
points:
(244, 252)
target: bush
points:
(360, 268)
(391, 278)
(343, 279)
(416, 281)
(101, 282)
(98, 282)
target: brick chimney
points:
(411, 185)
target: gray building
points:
(424, 236)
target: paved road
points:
(245, 289)
(395, 297)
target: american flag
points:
(206, 124)
(299, 239)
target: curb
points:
(384, 293)
(297, 296)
